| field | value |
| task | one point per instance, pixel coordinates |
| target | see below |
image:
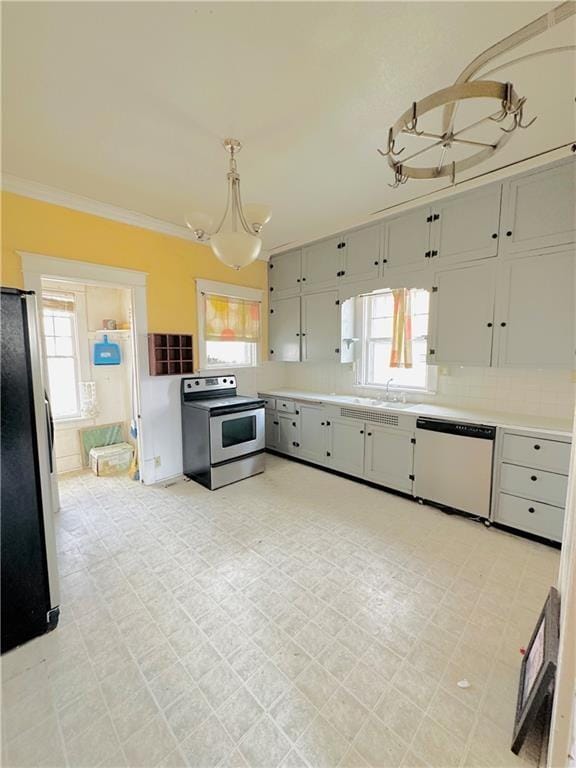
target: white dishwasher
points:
(453, 464)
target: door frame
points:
(36, 266)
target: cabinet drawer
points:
(269, 403)
(534, 452)
(530, 516)
(534, 484)
(286, 406)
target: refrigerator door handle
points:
(50, 427)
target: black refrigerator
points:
(29, 586)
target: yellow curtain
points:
(401, 352)
(231, 319)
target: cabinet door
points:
(535, 311)
(313, 432)
(466, 227)
(538, 209)
(272, 430)
(322, 264)
(284, 275)
(362, 254)
(284, 330)
(462, 316)
(389, 458)
(407, 239)
(346, 446)
(321, 326)
(288, 433)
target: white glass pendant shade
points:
(198, 221)
(257, 214)
(236, 249)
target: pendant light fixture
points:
(235, 241)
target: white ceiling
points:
(126, 102)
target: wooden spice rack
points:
(170, 354)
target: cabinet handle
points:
(293, 423)
(322, 423)
(427, 255)
(495, 235)
(361, 431)
(502, 325)
(271, 288)
(531, 510)
(434, 253)
(328, 423)
(328, 453)
(297, 334)
(303, 334)
(337, 350)
(376, 263)
(489, 325)
(436, 217)
(533, 478)
(536, 447)
(384, 261)
(509, 234)
(276, 423)
(297, 279)
(343, 272)
(369, 434)
(297, 413)
(303, 279)
(271, 351)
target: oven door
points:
(236, 434)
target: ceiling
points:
(127, 102)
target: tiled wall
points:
(544, 393)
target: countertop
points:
(561, 427)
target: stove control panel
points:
(206, 384)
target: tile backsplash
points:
(544, 393)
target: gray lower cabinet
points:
(346, 445)
(313, 433)
(389, 457)
(272, 430)
(288, 433)
(284, 330)
(530, 482)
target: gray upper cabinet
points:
(462, 315)
(407, 240)
(535, 311)
(284, 275)
(466, 227)
(320, 326)
(284, 330)
(389, 457)
(346, 446)
(539, 209)
(362, 256)
(321, 264)
(313, 432)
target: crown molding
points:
(47, 194)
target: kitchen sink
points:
(394, 406)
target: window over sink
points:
(229, 322)
(392, 340)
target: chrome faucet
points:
(390, 380)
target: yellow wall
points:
(172, 264)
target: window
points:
(230, 325)
(394, 337)
(61, 342)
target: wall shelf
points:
(170, 354)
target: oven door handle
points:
(237, 409)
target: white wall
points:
(543, 393)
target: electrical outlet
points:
(157, 461)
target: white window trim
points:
(432, 370)
(234, 292)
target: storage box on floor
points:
(111, 459)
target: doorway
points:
(105, 394)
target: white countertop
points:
(561, 427)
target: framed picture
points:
(538, 669)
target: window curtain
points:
(401, 352)
(231, 319)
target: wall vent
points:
(365, 415)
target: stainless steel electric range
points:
(223, 434)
